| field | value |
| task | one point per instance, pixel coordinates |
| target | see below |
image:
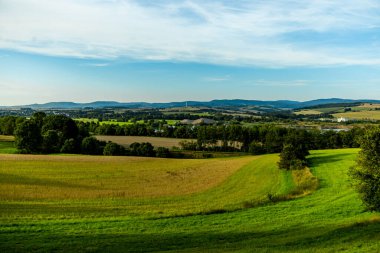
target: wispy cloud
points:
(96, 64)
(217, 78)
(261, 33)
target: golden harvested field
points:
(155, 141)
(369, 106)
(308, 112)
(37, 177)
(372, 115)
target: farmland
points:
(207, 217)
(364, 111)
(155, 141)
(363, 115)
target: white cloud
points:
(218, 32)
(216, 78)
(96, 64)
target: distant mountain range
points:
(279, 104)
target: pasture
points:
(7, 145)
(215, 218)
(155, 141)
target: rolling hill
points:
(280, 104)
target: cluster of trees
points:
(294, 152)
(49, 134)
(8, 124)
(61, 134)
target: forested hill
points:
(286, 104)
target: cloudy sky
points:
(173, 50)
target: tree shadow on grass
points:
(22, 180)
(316, 161)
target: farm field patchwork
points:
(330, 219)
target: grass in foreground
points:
(329, 220)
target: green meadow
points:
(7, 145)
(74, 204)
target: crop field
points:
(155, 141)
(308, 112)
(232, 214)
(370, 115)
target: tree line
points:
(53, 132)
(263, 138)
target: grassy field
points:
(155, 141)
(7, 145)
(331, 219)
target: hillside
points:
(329, 220)
(279, 104)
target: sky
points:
(178, 50)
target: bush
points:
(163, 152)
(142, 149)
(188, 145)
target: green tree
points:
(64, 125)
(28, 137)
(366, 173)
(256, 148)
(91, 146)
(51, 142)
(113, 149)
(290, 159)
(70, 147)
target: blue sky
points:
(158, 51)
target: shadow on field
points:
(294, 238)
(326, 159)
(22, 180)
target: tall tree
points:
(366, 173)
